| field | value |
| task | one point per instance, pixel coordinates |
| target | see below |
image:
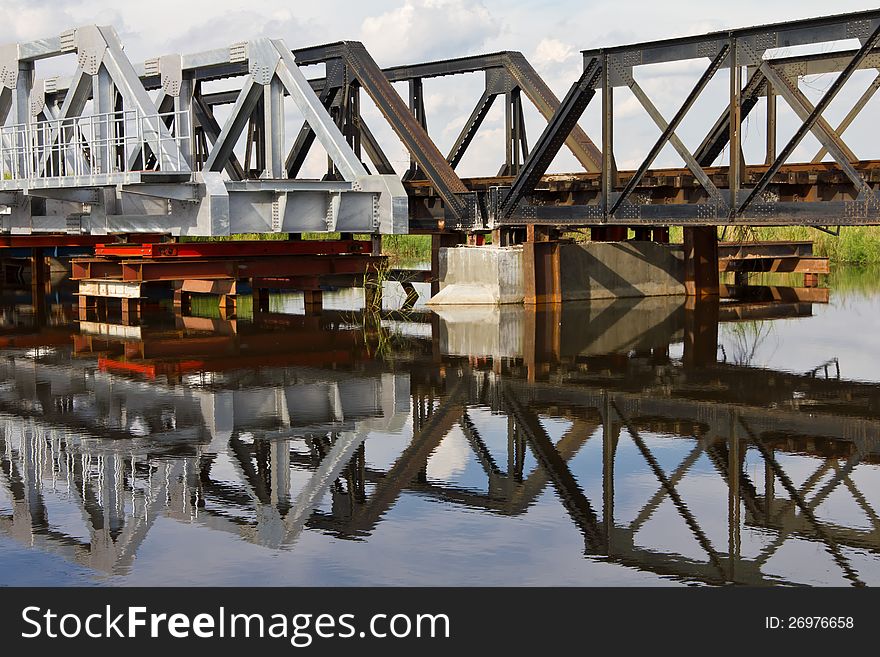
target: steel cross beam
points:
(826, 135)
(852, 114)
(669, 133)
(811, 119)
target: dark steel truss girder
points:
(512, 63)
(779, 213)
(811, 119)
(712, 210)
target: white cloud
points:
(428, 29)
(552, 51)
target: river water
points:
(627, 442)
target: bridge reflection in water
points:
(667, 458)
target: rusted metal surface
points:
(701, 261)
(246, 268)
(234, 249)
(785, 264)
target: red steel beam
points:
(234, 249)
(245, 268)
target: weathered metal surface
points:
(236, 249)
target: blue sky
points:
(550, 33)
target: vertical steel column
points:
(734, 146)
(104, 103)
(609, 169)
(352, 124)
(273, 130)
(514, 130)
(417, 107)
(21, 113)
(183, 120)
(771, 125)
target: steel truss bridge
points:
(255, 453)
(195, 144)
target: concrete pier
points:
(480, 275)
(554, 271)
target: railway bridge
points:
(197, 144)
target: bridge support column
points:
(131, 310)
(542, 281)
(701, 261)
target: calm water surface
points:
(633, 442)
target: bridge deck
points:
(580, 194)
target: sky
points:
(550, 33)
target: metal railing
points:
(95, 144)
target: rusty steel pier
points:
(194, 145)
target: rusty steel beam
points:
(245, 268)
(234, 249)
(790, 264)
